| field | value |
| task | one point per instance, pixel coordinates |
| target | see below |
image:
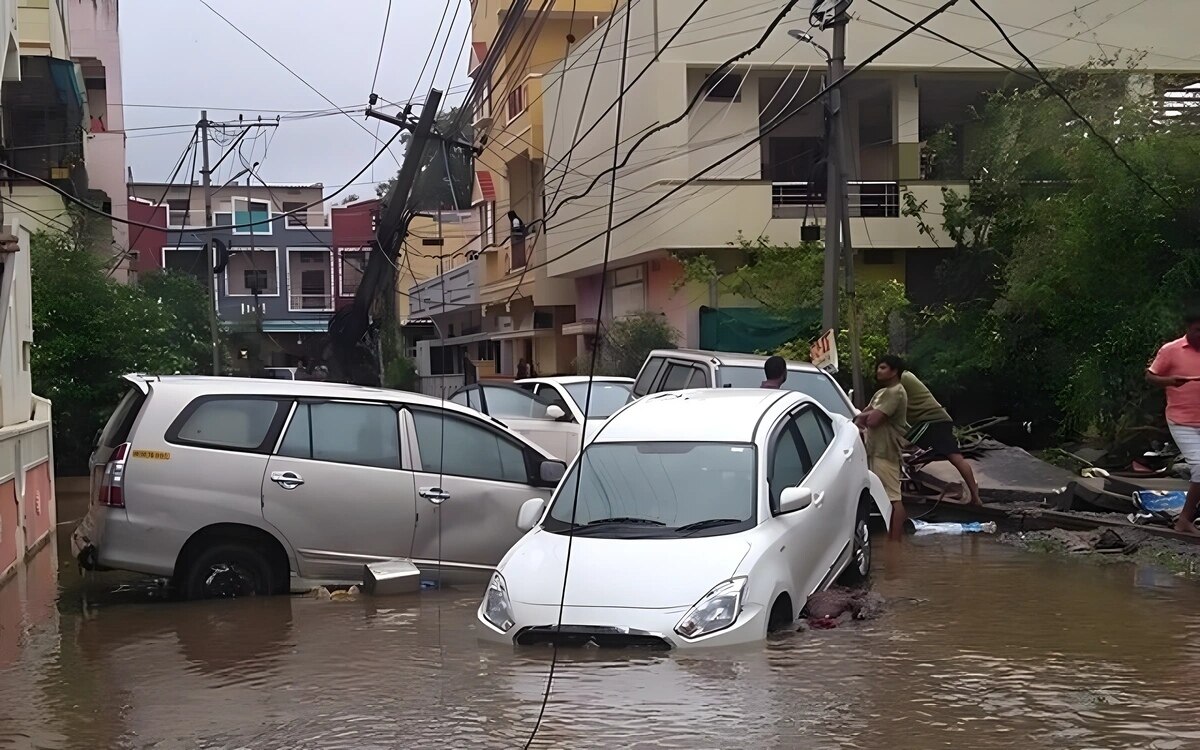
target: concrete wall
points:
(44, 27)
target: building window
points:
(192, 261)
(627, 291)
(489, 225)
(517, 102)
(246, 212)
(249, 269)
(297, 220)
(353, 263)
(310, 280)
(722, 86)
(177, 212)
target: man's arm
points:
(1165, 381)
(1159, 372)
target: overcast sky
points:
(180, 54)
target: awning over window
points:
(487, 188)
(479, 52)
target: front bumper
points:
(618, 626)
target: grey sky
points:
(179, 53)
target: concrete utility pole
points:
(834, 182)
(211, 247)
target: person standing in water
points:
(1176, 368)
(885, 423)
(933, 430)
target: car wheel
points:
(860, 549)
(227, 571)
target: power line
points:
(382, 41)
(1074, 110)
(295, 75)
(562, 601)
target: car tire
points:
(860, 549)
(228, 570)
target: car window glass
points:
(647, 376)
(678, 377)
(789, 464)
(513, 402)
(699, 379)
(811, 433)
(238, 423)
(117, 429)
(823, 389)
(463, 398)
(606, 398)
(359, 434)
(468, 449)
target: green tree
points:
(1071, 267)
(433, 189)
(90, 330)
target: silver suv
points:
(237, 486)
(684, 369)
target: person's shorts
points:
(1187, 440)
(936, 437)
(888, 472)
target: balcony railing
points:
(310, 302)
(865, 199)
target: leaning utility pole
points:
(210, 246)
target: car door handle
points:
(289, 480)
(435, 495)
(818, 499)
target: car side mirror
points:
(793, 499)
(555, 412)
(530, 513)
(552, 472)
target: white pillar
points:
(906, 125)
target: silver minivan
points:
(238, 486)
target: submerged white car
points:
(694, 518)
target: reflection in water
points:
(982, 646)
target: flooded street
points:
(981, 646)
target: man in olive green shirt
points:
(933, 430)
(885, 422)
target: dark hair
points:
(775, 367)
(892, 361)
(1191, 316)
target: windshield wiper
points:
(710, 523)
(623, 520)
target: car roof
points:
(730, 358)
(206, 385)
(699, 415)
(575, 379)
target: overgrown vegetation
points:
(627, 342)
(786, 279)
(90, 330)
(432, 190)
(1070, 268)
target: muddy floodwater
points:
(982, 646)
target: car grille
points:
(584, 635)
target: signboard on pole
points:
(823, 353)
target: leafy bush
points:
(627, 342)
(90, 330)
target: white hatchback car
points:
(694, 518)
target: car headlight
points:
(497, 609)
(716, 610)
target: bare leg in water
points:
(899, 518)
(968, 475)
(1186, 524)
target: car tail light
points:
(112, 484)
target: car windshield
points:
(510, 402)
(657, 490)
(606, 397)
(816, 384)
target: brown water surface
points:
(982, 646)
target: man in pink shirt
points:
(1177, 369)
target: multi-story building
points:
(280, 275)
(27, 502)
(516, 307)
(762, 163)
(96, 48)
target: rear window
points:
(229, 423)
(116, 431)
(646, 379)
(816, 384)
